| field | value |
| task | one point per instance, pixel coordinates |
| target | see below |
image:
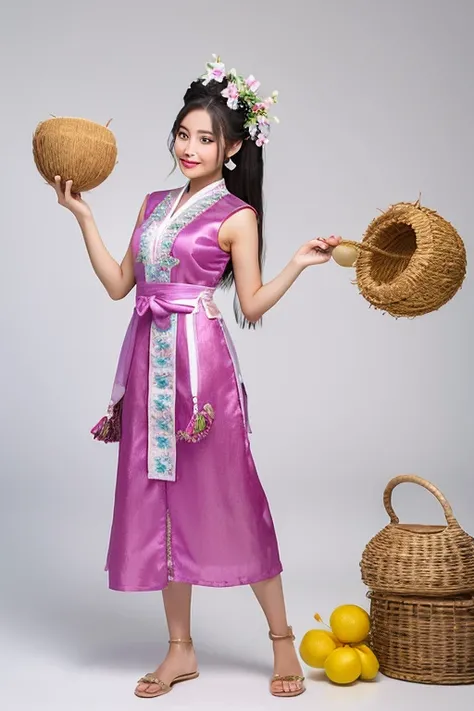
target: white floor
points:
(48, 684)
(99, 674)
(69, 643)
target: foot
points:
(181, 659)
(286, 664)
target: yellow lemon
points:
(337, 641)
(350, 623)
(343, 666)
(368, 660)
(315, 647)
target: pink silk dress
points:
(189, 506)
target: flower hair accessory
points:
(241, 93)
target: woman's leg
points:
(269, 594)
(181, 658)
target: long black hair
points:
(246, 180)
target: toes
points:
(148, 688)
(284, 686)
(143, 687)
(153, 689)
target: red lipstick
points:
(188, 163)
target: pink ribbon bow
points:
(161, 309)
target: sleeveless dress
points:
(189, 506)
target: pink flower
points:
(263, 126)
(261, 140)
(231, 93)
(215, 71)
(218, 73)
(253, 130)
(259, 106)
(252, 83)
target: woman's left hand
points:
(316, 251)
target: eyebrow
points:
(207, 133)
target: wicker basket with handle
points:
(423, 640)
(411, 261)
(413, 559)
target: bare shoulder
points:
(241, 219)
(241, 224)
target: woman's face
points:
(197, 148)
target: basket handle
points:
(411, 478)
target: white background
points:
(376, 105)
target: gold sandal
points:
(292, 677)
(164, 688)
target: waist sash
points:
(164, 301)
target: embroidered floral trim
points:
(161, 437)
(169, 555)
(150, 226)
(160, 269)
(155, 254)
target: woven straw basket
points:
(75, 149)
(422, 639)
(411, 261)
(412, 559)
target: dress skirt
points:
(212, 526)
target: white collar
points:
(194, 198)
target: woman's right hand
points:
(71, 201)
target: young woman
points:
(189, 506)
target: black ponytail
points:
(246, 180)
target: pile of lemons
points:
(341, 651)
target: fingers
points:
(57, 186)
(319, 243)
(333, 241)
(67, 190)
(325, 242)
(65, 194)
